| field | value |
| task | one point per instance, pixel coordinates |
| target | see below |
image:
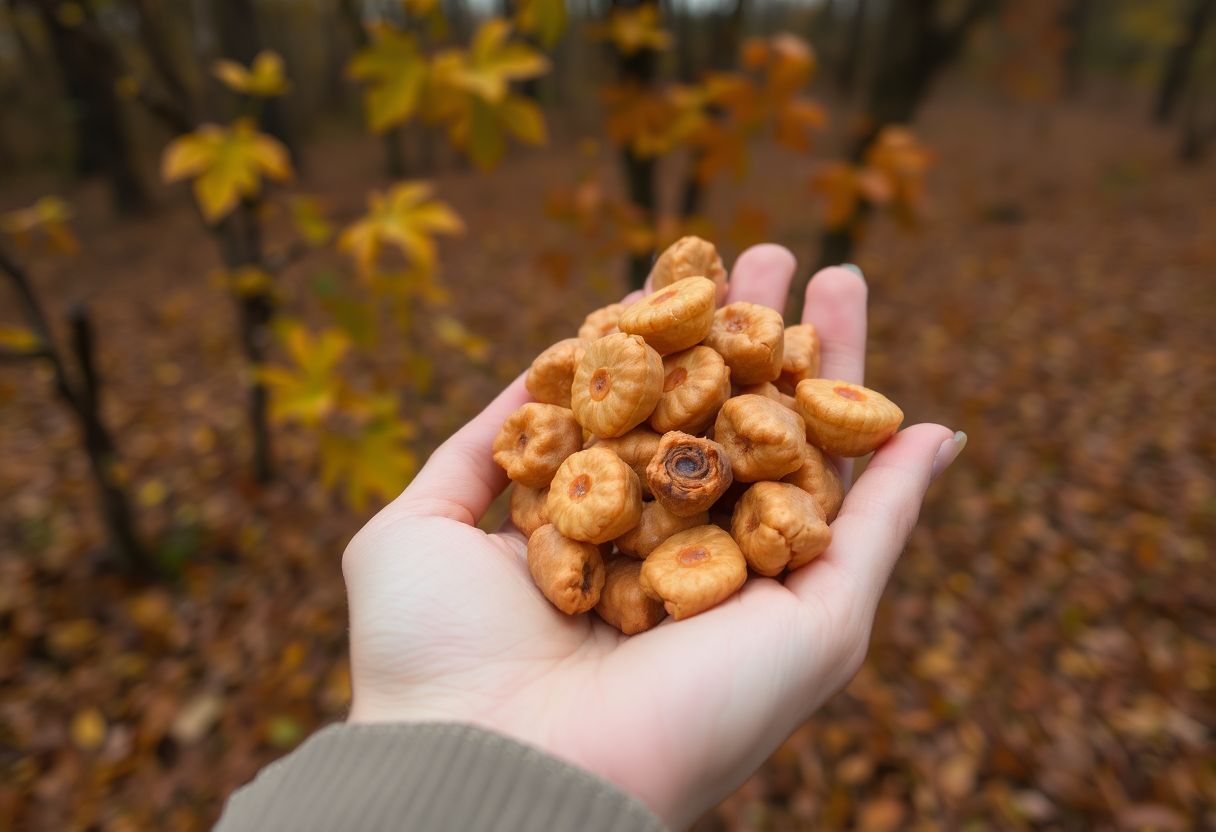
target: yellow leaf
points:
(394, 71)
(492, 62)
(754, 53)
(308, 215)
(88, 729)
(70, 14)
(248, 281)
(307, 389)
(795, 121)
(837, 181)
(723, 150)
(265, 77)
(546, 19)
(226, 164)
(48, 216)
(635, 30)
(453, 333)
(523, 118)
(19, 338)
(375, 460)
(405, 218)
(152, 493)
(791, 64)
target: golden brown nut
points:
(778, 525)
(689, 257)
(594, 497)
(601, 322)
(769, 391)
(623, 604)
(819, 478)
(552, 373)
(800, 357)
(846, 419)
(656, 525)
(535, 440)
(687, 473)
(696, 384)
(674, 318)
(764, 440)
(637, 448)
(617, 383)
(568, 572)
(751, 339)
(694, 570)
(528, 508)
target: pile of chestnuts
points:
(674, 445)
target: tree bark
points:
(850, 61)
(82, 398)
(915, 49)
(240, 237)
(90, 76)
(1180, 60)
(1075, 20)
(393, 139)
(240, 39)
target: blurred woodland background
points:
(258, 257)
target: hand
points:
(446, 624)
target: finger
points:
(762, 275)
(461, 479)
(876, 519)
(635, 295)
(836, 306)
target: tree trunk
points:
(240, 236)
(90, 78)
(83, 399)
(1075, 21)
(1197, 135)
(103, 457)
(850, 61)
(240, 39)
(915, 49)
(393, 139)
(1180, 60)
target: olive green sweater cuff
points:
(428, 776)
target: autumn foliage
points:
(200, 405)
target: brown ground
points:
(1044, 658)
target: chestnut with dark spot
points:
(688, 473)
(568, 572)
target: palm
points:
(447, 624)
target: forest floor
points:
(1044, 658)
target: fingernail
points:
(948, 452)
(854, 268)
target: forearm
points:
(427, 776)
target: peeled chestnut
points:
(846, 419)
(696, 384)
(751, 339)
(694, 570)
(617, 383)
(764, 440)
(568, 572)
(594, 497)
(534, 441)
(778, 525)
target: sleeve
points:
(428, 776)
